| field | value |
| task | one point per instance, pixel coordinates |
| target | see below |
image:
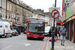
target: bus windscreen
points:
(36, 27)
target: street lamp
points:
(53, 31)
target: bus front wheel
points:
(27, 38)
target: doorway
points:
(68, 30)
(72, 31)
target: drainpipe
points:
(6, 9)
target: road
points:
(21, 43)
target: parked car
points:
(47, 30)
(5, 29)
(14, 32)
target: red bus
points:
(29, 18)
(35, 29)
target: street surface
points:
(21, 43)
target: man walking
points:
(63, 34)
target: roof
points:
(36, 21)
(4, 22)
(59, 22)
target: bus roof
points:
(31, 17)
(36, 21)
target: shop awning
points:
(59, 22)
(16, 25)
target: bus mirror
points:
(36, 18)
(44, 22)
(28, 21)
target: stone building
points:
(15, 11)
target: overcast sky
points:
(43, 4)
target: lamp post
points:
(53, 31)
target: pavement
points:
(69, 45)
(21, 43)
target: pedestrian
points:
(58, 32)
(63, 34)
(50, 32)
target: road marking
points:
(7, 47)
(47, 44)
(41, 46)
(27, 44)
(44, 45)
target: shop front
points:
(69, 22)
(71, 28)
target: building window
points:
(14, 10)
(0, 3)
(9, 17)
(7, 6)
(6, 17)
(10, 7)
(18, 19)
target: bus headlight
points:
(28, 33)
(43, 34)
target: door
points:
(1, 29)
(72, 31)
(68, 30)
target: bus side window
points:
(6, 26)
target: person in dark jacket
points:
(50, 32)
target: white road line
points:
(27, 44)
(7, 47)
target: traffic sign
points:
(55, 14)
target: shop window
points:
(67, 4)
(58, 23)
(9, 17)
(0, 3)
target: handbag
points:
(50, 39)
